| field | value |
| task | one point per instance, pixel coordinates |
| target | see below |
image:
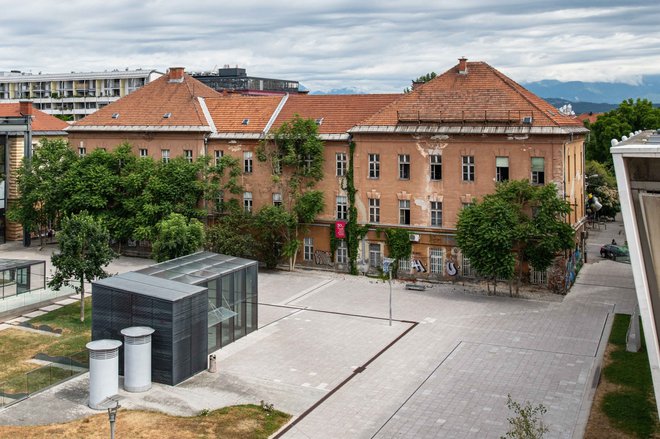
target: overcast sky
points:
(371, 46)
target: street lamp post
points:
(387, 267)
(112, 417)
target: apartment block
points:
(73, 95)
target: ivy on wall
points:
(354, 232)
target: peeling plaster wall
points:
(451, 190)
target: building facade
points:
(21, 129)
(637, 165)
(418, 158)
(72, 95)
(236, 79)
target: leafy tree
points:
(421, 80)
(177, 236)
(295, 155)
(602, 184)
(41, 192)
(233, 234)
(519, 217)
(90, 184)
(84, 251)
(628, 117)
(275, 230)
(172, 187)
(485, 235)
(398, 245)
(220, 178)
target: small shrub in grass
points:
(630, 411)
(527, 422)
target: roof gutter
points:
(276, 113)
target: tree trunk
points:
(494, 286)
(520, 271)
(82, 299)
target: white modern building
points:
(74, 94)
(637, 165)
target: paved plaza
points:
(326, 353)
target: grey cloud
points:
(371, 46)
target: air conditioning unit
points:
(413, 237)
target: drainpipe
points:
(27, 153)
(204, 200)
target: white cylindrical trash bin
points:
(103, 371)
(137, 358)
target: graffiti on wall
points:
(322, 258)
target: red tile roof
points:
(148, 105)
(40, 121)
(229, 112)
(591, 117)
(339, 112)
(482, 96)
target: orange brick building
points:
(419, 157)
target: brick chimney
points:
(416, 84)
(25, 108)
(176, 74)
(462, 66)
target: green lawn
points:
(17, 347)
(632, 408)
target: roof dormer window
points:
(319, 121)
(115, 115)
(245, 121)
(167, 115)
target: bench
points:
(415, 287)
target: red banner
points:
(340, 229)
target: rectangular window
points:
(374, 255)
(435, 260)
(404, 211)
(466, 267)
(342, 207)
(341, 164)
(308, 249)
(501, 168)
(144, 153)
(165, 155)
(374, 165)
(218, 156)
(436, 213)
(468, 168)
(247, 162)
(538, 170)
(342, 253)
(436, 167)
(404, 265)
(307, 166)
(220, 202)
(187, 154)
(277, 199)
(82, 152)
(374, 210)
(247, 201)
(404, 166)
